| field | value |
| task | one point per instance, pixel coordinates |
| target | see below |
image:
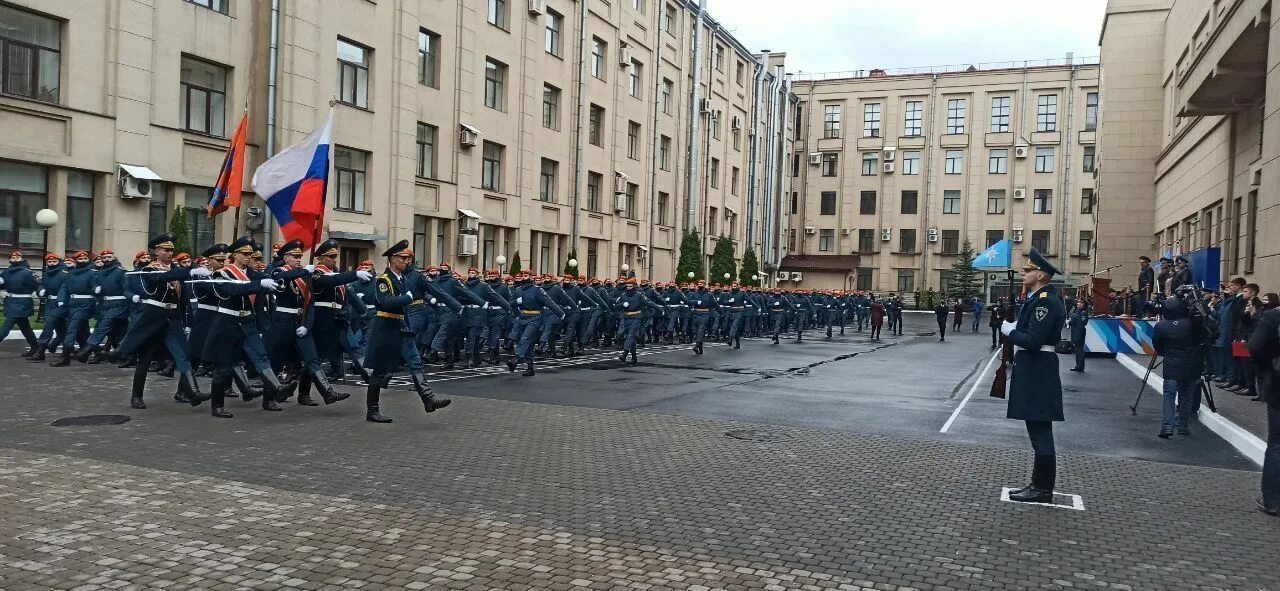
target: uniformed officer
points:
(530, 303)
(109, 287)
(19, 286)
(631, 303)
(705, 309)
(55, 317)
(290, 338)
(1035, 394)
(205, 309)
(330, 294)
(76, 297)
(477, 318)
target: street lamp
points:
(502, 263)
(726, 275)
(625, 267)
(46, 218)
(573, 263)
(691, 274)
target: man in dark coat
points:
(109, 287)
(1035, 394)
(19, 285)
(1078, 321)
(1264, 350)
(941, 312)
(1179, 341)
(55, 316)
(1146, 285)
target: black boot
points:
(63, 361)
(276, 391)
(623, 356)
(240, 378)
(188, 388)
(511, 364)
(430, 402)
(528, 370)
(168, 370)
(633, 356)
(449, 360)
(128, 362)
(737, 343)
(304, 390)
(218, 391)
(372, 396)
(83, 357)
(139, 383)
(327, 393)
(1043, 478)
(697, 349)
(99, 355)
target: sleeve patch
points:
(1041, 312)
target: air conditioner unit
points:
(705, 106)
(1021, 151)
(467, 136)
(1020, 193)
(890, 154)
(846, 231)
(886, 234)
(135, 188)
(1017, 234)
(468, 245)
(810, 230)
(619, 183)
(797, 276)
(815, 158)
(887, 167)
(735, 123)
(620, 202)
(784, 275)
(932, 234)
(624, 55)
(537, 7)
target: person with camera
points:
(1264, 351)
(1178, 338)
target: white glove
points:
(626, 304)
(364, 275)
(520, 300)
(310, 268)
(269, 284)
(434, 301)
(1, 280)
(1007, 327)
(730, 300)
(485, 306)
(200, 272)
(42, 293)
(359, 295)
(668, 299)
(137, 298)
(301, 332)
(61, 304)
(409, 293)
(97, 289)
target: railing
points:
(951, 69)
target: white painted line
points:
(974, 388)
(1077, 502)
(1248, 444)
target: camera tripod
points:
(1206, 388)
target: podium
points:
(1100, 293)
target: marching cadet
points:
(674, 301)
(631, 303)
(55, 317)
(778, 307)
(19, 285)
(330, 329)
(243, 263)
(1035, 393)
(442, 341)
(206, 308)
(476, 318)
(76, 297)
(390, 341)
(574, 313)
(109, 285)
(289, 339)
(551, 324)
(705, 309)
(531, 302)
(737, 303)
(497, 316)
(364, 291)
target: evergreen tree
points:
(515, 264)
(691, 260)
(750, 266)
(965, 283)
(178, 229)
(573, 254)
(722, 262)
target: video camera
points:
(1199, 312)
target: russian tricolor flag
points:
(226, 192)
(294, 184)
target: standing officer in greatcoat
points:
(19, 286)
(1035, 392)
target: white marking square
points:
(1076, 502)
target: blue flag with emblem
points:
(997, 256)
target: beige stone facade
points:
(898, 168)
(162, 83)
(1191, 144)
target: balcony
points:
(870, 143)
(955, 140)
(999, 140)
(1046, 138)
(1229, 74)
(1088, 138)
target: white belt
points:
(282, 310)
(194, 300)
(1037, 349)
(472, 306)
(112, 298)
(160, 304)
(334, 305)
(18, 295)
(81, 297)
(587, 308)
(440, 305)
(209, 307)
(236, 313)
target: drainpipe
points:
(928, 185)
(774, 230)
(578, 138)
(753, 175)
(1064, 256)
(695, 118)
(769, 80)
(653, 156)
(775, 134)
(273, 54)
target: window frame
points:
(953, 162)
(427, 137)
(1088, 201)
(1047, 113)
(913, 168)
(599, 55)
(871, 120)
(499, 14)
(826, 240)
(914, 209)
(345, 67)
(951, 202)
(998, 161)
(1089, 158)
(997, 198)
(550, 107)
(1091, 111)
(913, 122)
(548, 170)
(359, 199)
(949, 242)
(428, 58)
(495, 82)
(187, 88)
(664, 153)
(34, 71)
(830, 164)
(1044, 159)
(867, 239)
(907, 240)
(1047, 242)
(1001, 110)
(870, 163)
(491, 166)
(867, 202)
(827, 201)
(1085, 237)
(831, 121)
(595, 125)
(1042, 201)
(633, 140)
(594, 182)
(555, 22)
(956, 113)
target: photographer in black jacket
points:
(1180, 340)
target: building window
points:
(664, 153)
(954, 162)
(214, 5)
(30, 55)
(593, 257)
(638, 5)
(428, 58)
(495, 77)
(350, 166)
(737, 139)
(711, 220)
(1086, 201)
(791, 240)
(599, 49)
(488, 244)
(491, 167)
(826, 240)
(715, 125)
(633, 191)
(828, 203)
(950, 241)
(910, 202)
(795, 202)
(79, 210)
(870, 163)
(667, 86)
(867, 203)
(594, 180)
(906, 280)
(669, 19)
(733, 180)
(719, 58)
(795, 165)
(633, 140)
(421, 225)
(1085, 246)
(550, 107)
(955, 116)
(951, 201)
(664, 207)
(427, 150)
(544, 253)
(907, 240)
(1043, 201)
(1044, 159)
(199, 225)
(157, 208)
(866, 241)
(1091, 111)
(353, 74)
(1090, 154)
(442, 245)
(498, 13)
(911, 163)
(1047, 112)
(633, 78)
(595, 129)
(547, 180)
(864, 279)
(830, 163)
(999, 161)
(994, 236)
(831, 121)
(995, 201)
(740, 75)
(1040, 241)
(202, 98)
(915, 117)
(871, 120)
(714, 173)
(554, 21)
(1000, 114)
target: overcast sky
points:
(837, 35)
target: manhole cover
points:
(754, 435)
(91, 421)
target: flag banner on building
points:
(294, 183)
(998, 256)
(226, 192)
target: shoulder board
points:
(1044, 294)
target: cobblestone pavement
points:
(495, 494)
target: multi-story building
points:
(1190, 147)
(477, 129)
(894, 170)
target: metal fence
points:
(947, 69)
